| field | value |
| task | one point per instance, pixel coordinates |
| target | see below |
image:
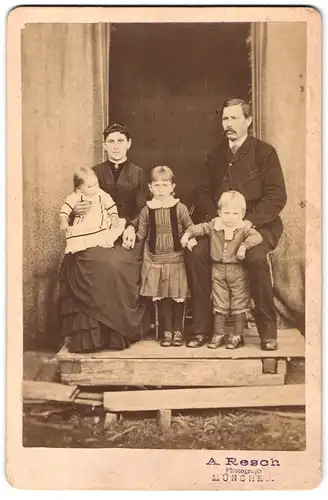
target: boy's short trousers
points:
(230, 288)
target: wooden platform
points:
(146, 363)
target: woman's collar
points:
(168, 203)
(118, 164)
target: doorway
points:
(166, 83)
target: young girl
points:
(230, 238)
(162, 222)
(101, 226)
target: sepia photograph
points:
(170, 240)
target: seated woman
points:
(99, 287)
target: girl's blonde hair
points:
(80, 176)
(162, 172)
(232, 197)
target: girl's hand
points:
(184, 240)
(129, 237)
(191, 244)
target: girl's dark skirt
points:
(100, 307)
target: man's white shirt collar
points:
(238, 142)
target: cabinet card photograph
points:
(164, 248)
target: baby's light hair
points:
(162, 172)
(80, 176)
(232, 197)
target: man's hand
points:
(191, 244)
(81, 208)
(129, 237)
(241, 253)
(115, 220)
(184, 239)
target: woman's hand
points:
(81, 208)
(129, 237)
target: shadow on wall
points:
(41, 318)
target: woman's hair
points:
(116, 127)
(80, 176)
(232, 197)
(161, 172)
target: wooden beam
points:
(87, 402)
(94, 396)
(48, 391)
(173, 372)
(222, 397)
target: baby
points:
(101, 226)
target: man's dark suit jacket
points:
(254, 171)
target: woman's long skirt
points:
(99, 301)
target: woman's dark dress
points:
(99, 301)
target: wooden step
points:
(291, 345)
(232, 397)
(171, 372)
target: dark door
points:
(166, 82)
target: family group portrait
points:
(164, 235)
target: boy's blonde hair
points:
(232, 197)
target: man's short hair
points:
(234, 101)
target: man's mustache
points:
(229, 130)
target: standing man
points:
(250, 166)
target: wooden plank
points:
(173, 372)
(222, 397)
(94, 396)
(87, 402)
(285, 414)
(291, 344)
(47, 391)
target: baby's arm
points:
(63, 222)
(66, 210)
